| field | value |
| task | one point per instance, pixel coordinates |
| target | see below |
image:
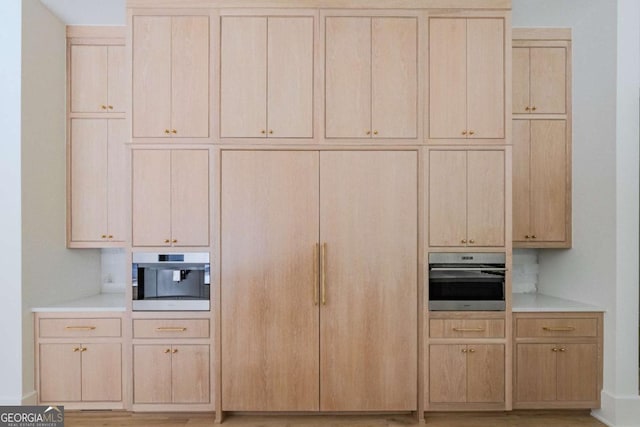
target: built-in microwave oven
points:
(467, 281)
(171, 281)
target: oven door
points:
(466, 290)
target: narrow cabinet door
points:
(535, 373)
(60, 373)
(577, 372)
(88, 79)
(190, 374)
(88, 179)
(190, 197)
(520, 75)
(447, 198)
(243, 75)
(151, 374)
(485, 373)
(151, 76)
(101, 372)
(269, 288)
(521, 180)
(485, 198)
(447, 373)
(117, 189)
(290, 77)
(117, 79)
(190, 76)
(548, 179)
(368, 316)
(548, 80)
(447, 78)
(348, 77)
(485, 78)
(394, 77)
(151, 198)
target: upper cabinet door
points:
(521, 66)
(290, 44)
(485, 198)
(116, 78)
(521, 180)
(485, 78)
(151, 198)
(548, 80)
(447, 198)
(394, 76)
(447, 78)
(170, 76)
(151, 76)
(190, 76)
(88, 79)
(243, 75)
(190, 197)
(348, 77)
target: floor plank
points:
(480, 419)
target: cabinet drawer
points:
(80, 328)
(466, 328)
(557, 327)
(171, 328)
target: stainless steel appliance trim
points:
(171, 305)
(468, 269)
(467, 305)
(153, 257)
(467, 258)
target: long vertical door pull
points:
(323, 267)
(316, 277)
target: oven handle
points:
(468, 269)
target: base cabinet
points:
(558, 360)
(171, 373)
(466, 373)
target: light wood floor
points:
(510, 419)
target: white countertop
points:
(541, 303)
(100, 302)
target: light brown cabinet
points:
(558, 360)
(98, 161)
(170, 197)
(539, 80)
(466, 198)
(466, 78)
(541, 184)
(466, 373)
(371, 83)
(266, 87)
(79, 360)
(176, 373)
(302, 285)
(542, 138)
(170, 76)
(97, 78)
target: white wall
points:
(602, 267)
(50, 272)
(10, 252)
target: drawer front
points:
(556, 327)
(171, 328)
(80, 328)
(466, 328)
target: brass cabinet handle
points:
(472, 241)
(471, 132)
(76, 349)
(110, 107)
(173, 131)
(562, 349)
(270, 132)
(104, 236)
(554, 349)
(167, 131)
(110, 236)
(167, 350)
(175, 350)
(375, 132)
(83, 349)
(471, 350)
(170, 329)
(533, 108)
(104, 107)
(316, 273)
(468, 329)
(80, 328)
(368, 132)
(464, 132)
(323, 269)
(558, 328)
(174, 241)
(464, 350)
(533, 236)
(167, 241)
(263, 131)
(463, 241)
(526, 236)
(527, 108)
